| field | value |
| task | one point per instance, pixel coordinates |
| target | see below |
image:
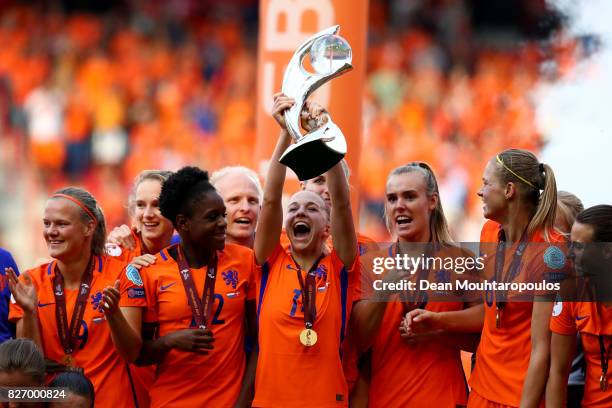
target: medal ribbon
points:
(418, 299)
(605, 359)
(513, 269)
(201, 309)
(309, 291)
(68, 335)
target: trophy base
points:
(310, 159)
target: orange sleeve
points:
(562, 321)
(15, 311)
(132, 289)
(549, 264)
(367, 276)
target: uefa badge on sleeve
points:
(554, 258)
(133, 275)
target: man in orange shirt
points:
(241, 191)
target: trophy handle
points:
(326, 145)
(300, 84)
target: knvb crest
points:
(95, 301)
(321, 272)
(230, 278)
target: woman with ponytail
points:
(410, 368)
(520, 199)
(70, 306)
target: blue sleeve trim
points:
(265, 273)
(344, 283)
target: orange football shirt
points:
(350, 353)
(591, 319)
(288, 373)
(142, 377)
(502, 358)
(96, 352)
(189, 379)
(423, 374)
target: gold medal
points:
(308, 337)
(603, 382)
(67, 360)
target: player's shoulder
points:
(552, 236)
(164, 259)
(109, 263)
(41, 272)
(571, 309)
(235, 250)
(490, 231)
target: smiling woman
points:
(70, 306)
(200, 321)
(414, 216)
(305, 289)
(151, 231)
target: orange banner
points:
(284, 26)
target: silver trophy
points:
(319, 150)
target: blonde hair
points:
(158, 175)
(89, 202)
(530, 176)
(568, 206)
(438, 225)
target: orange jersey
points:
(190, 379)
(142, 377)
(503, 353)
(288, 373)
(424, 374)
(591, 319)
(96, 352)
(350, 353)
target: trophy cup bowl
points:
(318, 150)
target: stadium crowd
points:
(92, 99)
